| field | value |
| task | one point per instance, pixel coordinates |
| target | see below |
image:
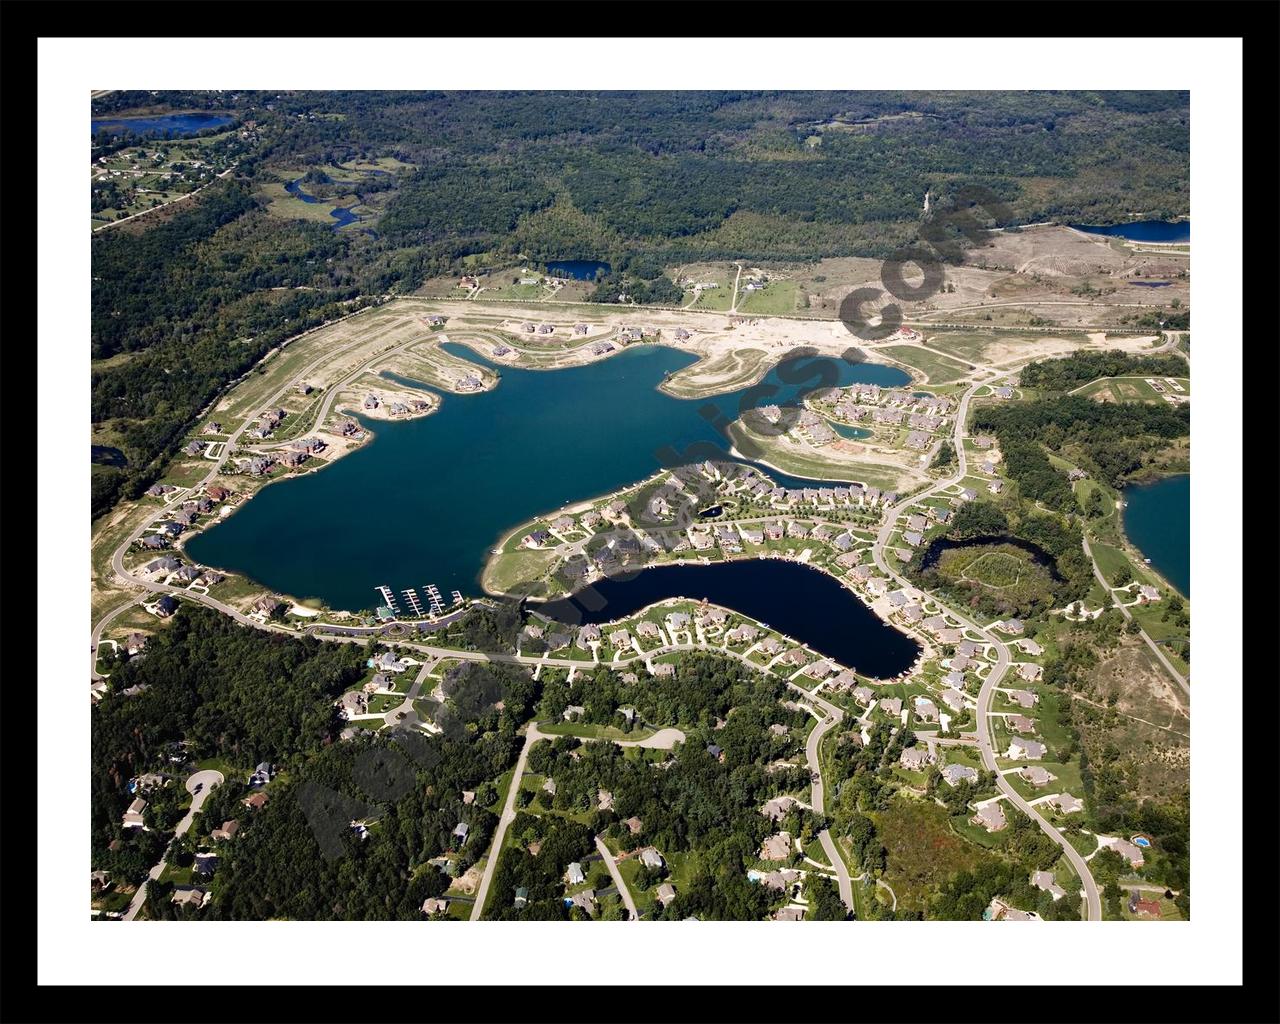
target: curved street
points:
(205, 780)
(997, 671)
(833, 716)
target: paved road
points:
(206, 780)
(103, 623)
(983, 729)
(1178, 677)
(531, 737)
(623, 891)
(833, 715)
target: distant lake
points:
(1151, 284)
(1157, 520)
(179, 125)
(797, 600)
(426, 499)
(580, 270)
(1143, 230)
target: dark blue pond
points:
(1157, 520)
(427, 499)
(579, 270)
(1151, 284)
(799, 601)
(1143, 230)
(177, 125)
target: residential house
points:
(1023, 698)
(585, 900)
(991, 817)
(1143, 908)
(742, 634)
(1021, 748)
(954, 774)
(133, 815)
(891, 705)
(1126, 849)
(574, 875)
(776, 847)
(227, 831)
(434, 905)
(953, 699)
(778, 808)
(1044, 881)
(1036, 776)
(1066, 803)
(926, 710)
(189, 896)
(651, 858)
(664, 894)
(916, 758)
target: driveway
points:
(618, 880)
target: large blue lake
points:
(426, 500)
(177, 125)
(1157, 519)
(1143, 230)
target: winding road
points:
(833, 716)
(203, 781)
(983, 728)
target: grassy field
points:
(939, 368)
(812, 464)
(1132, 389)
(775, 298)
(505, 571)
(280, 203)
(969, 347)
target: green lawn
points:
(775, 298)
(939, 368)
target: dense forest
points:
(1080, 368)
(212, 688)
(1109, 440)
(651, 177)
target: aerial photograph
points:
(639, 505)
